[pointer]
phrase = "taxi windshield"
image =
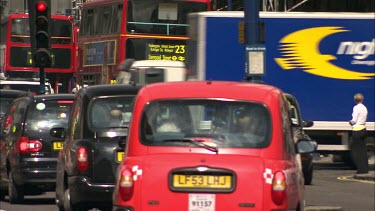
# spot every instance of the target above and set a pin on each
(218, 123)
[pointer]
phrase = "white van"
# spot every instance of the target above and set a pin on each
(150, 71)
(25, 85)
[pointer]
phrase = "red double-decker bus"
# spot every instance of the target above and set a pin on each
(113, 30)
(15, 51)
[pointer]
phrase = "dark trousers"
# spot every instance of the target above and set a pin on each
(358, 151)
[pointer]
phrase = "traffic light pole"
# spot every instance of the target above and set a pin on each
(254, 49)
(42, 89)
(40, 39)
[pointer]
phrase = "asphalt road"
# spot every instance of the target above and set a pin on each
(333, 189)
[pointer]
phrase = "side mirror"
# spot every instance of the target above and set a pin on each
(305, 146)
(307, 123)
(58, 132)
(122, 142)
(294, 122)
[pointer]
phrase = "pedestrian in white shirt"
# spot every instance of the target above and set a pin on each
(358, 144)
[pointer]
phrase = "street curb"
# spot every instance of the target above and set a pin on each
(323, 208)
(368, 177)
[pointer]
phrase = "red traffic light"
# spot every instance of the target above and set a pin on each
(41, 6)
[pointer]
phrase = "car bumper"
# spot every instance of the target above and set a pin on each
(84, 191)
(117, 208)
(35, 172)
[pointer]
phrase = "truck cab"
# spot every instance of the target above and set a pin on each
(150, 71)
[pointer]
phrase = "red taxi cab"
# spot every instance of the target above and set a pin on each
(210, 146)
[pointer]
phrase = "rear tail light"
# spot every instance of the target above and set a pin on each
(82, 160)
(126, 184)
(25, 145)
(278, 188)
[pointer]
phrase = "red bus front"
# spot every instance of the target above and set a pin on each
(138, 29)
(16, 58)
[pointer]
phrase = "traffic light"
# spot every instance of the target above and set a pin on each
(39, 21)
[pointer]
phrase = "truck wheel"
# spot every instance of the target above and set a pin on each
(337, 158)
(347, 158)
(15, 192)
(370, 147)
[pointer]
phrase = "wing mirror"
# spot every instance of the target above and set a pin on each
(307, 123)
(305, 146)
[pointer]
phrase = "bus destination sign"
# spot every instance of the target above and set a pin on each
(173, 52)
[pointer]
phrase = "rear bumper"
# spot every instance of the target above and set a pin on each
(35, 172)
(117, 208)
(84, 191)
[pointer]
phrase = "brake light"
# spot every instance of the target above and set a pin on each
(126, 184)
(82, 161)
(278, 188)
(26, 145)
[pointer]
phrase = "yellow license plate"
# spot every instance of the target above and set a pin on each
(119, 156)
(202, 181)
(58, 145)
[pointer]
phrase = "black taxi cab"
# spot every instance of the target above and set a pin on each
(28, 148)
(94, 146)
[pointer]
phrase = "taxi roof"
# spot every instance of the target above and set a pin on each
(210, 89)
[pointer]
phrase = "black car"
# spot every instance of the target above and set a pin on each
(298, 125)
(28, 150)
(6, 98)
(94, 146)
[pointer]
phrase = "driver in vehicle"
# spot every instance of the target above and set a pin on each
(116, 118)
(251, 124)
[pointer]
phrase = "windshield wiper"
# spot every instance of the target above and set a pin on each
(120, 126)
(198, 143)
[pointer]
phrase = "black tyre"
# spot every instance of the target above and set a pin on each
(337, 158)
(59, 200)
(15, 192)
(68, 206)
(349, 161)
(60, 204)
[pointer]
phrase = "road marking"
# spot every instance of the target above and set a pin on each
(350, 178)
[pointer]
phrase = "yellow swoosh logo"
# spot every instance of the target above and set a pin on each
(301, 50)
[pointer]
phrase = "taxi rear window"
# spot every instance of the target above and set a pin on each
(110, 112)
(49, 114)
(218, 123)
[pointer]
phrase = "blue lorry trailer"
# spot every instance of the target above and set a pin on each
(321, 58)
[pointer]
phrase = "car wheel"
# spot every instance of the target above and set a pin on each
(61, 208)
(68, 206)
(59, 202)
(59, 198)
(15, 192)
(308, 175)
